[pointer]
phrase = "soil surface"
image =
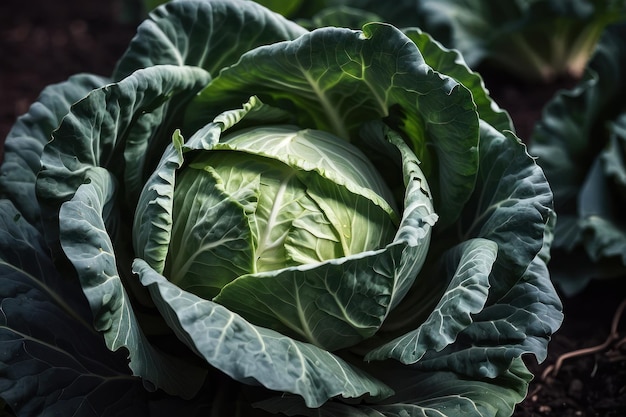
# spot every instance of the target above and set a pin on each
(43, 42)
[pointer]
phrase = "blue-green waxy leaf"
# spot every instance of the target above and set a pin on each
(24, 253)
(600, 199)
(424, 394)
(339, 302)
(253, 354)
(451, 63)
(615, 156)
(88, 246)
(27, 138)
(470, 265)
(337, 79)
(52, 361)
(121, 121)
(510, 306)
(153, 216)
(523, 317)
(512, 194)
(522, 307)
(515, 325)
(207, 34)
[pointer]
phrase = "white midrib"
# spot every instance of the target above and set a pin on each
(331, 112)
(305, 329)
(265, 243)
(183, 269)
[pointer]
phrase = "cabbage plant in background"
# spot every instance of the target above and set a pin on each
(535, 40)
(581, 144)
(250, 218)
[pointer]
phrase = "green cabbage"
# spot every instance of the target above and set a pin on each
(250, 218)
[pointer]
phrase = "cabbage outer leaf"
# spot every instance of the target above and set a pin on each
(425, 395)
(88, 246)
(80, 145)
(28, 136)
(466, 294)
(255, 354)
(129, 114)
(52, 361)
(512, 193)
(206, 34)
(452, 63)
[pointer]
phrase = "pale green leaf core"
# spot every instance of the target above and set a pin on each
(274, 197)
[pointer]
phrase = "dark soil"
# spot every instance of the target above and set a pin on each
(44, 42)
(588, 385)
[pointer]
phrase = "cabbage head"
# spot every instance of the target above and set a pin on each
(250, 218)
